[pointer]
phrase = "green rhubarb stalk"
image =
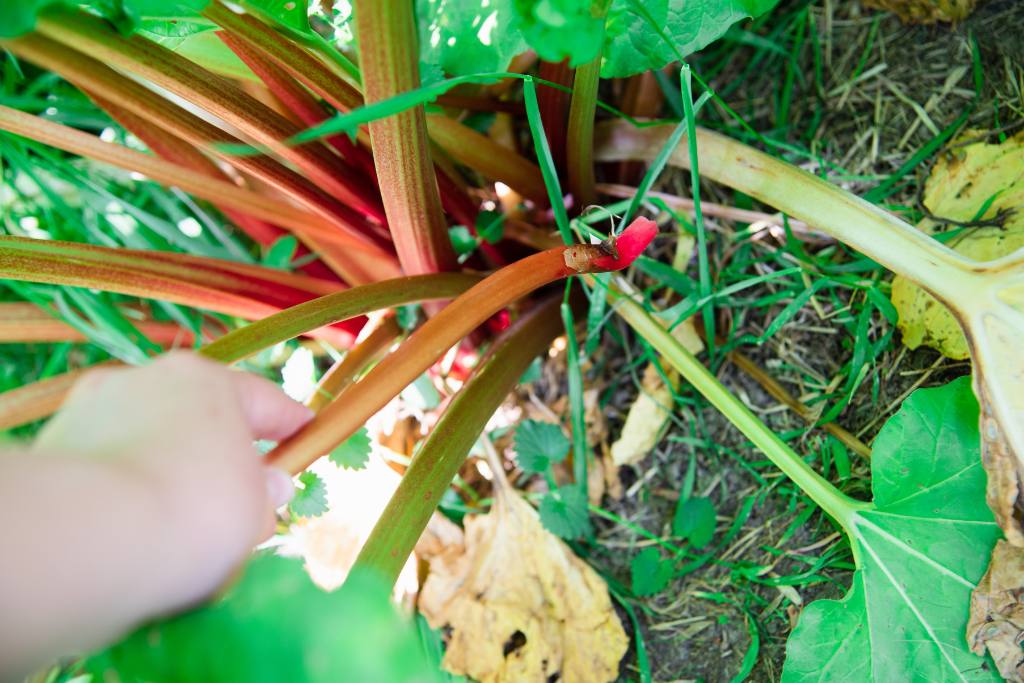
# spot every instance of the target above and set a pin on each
(333, 308)
(343, 373)
(389, 59)
(343, 417)
(838, 505)
(438, 460)
(987, 298)
(580, 138)
(40, 399)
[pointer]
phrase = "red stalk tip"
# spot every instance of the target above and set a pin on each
(628, 245)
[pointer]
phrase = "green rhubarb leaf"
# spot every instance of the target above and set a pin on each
(695, 521)
(468, 36)
(275, 625)
(638, 40)
(564, 512)
(354, 452)
(539, 445)
(649, 573)
(561, 29)
(310, 496)
(920, 548)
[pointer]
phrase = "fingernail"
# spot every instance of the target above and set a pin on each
(280, 488)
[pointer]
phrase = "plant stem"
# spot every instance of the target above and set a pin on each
(86, 265)
(482, 154)
(211, 189)
(298, 100)
(827, 496)
(389, 59)
(580, 139)
(37, 400)
(343, 373)
(180, 152)
(343, 417)
(554, 107)
(27, 323)
(100, 80)
(859, 224)
(436, 463)
(216, 95)
(333, 308)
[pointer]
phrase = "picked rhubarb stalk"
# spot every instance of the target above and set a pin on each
(341, 418)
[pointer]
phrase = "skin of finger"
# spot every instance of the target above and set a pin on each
(181, 420)
(270, 413)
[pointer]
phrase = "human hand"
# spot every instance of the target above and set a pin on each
(185, 426)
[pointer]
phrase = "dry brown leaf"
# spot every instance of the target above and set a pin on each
(925, 11)
(997, 613)
(520, 605)
(653, 405)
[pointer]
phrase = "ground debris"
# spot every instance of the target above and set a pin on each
(997, 612)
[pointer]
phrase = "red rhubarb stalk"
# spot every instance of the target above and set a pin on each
(389, 59)
(213, 93)
(343, 417)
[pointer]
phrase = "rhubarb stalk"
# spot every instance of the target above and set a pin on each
(438, 460)
(343, 417)
(389, 59)
(987, 298)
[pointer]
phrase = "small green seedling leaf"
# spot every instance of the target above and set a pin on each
(490, 225)
(310, 496)
(463, 241)
(276, 625)
(533, 373)
(920, 549)
(281, 252)
(408, 316)
(539, 445)
(354, 452)
(695, 521)
(649, 573)
(564, 512)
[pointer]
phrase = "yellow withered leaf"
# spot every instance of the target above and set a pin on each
(520, 605)
(978, 178)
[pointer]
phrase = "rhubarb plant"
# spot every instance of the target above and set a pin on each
(920, 546)
(368, 183)
(986, 298)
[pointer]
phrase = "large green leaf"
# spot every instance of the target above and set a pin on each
(634, 42)
(469, 36)
(473, 36)
(920, 549)
(274, 626)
